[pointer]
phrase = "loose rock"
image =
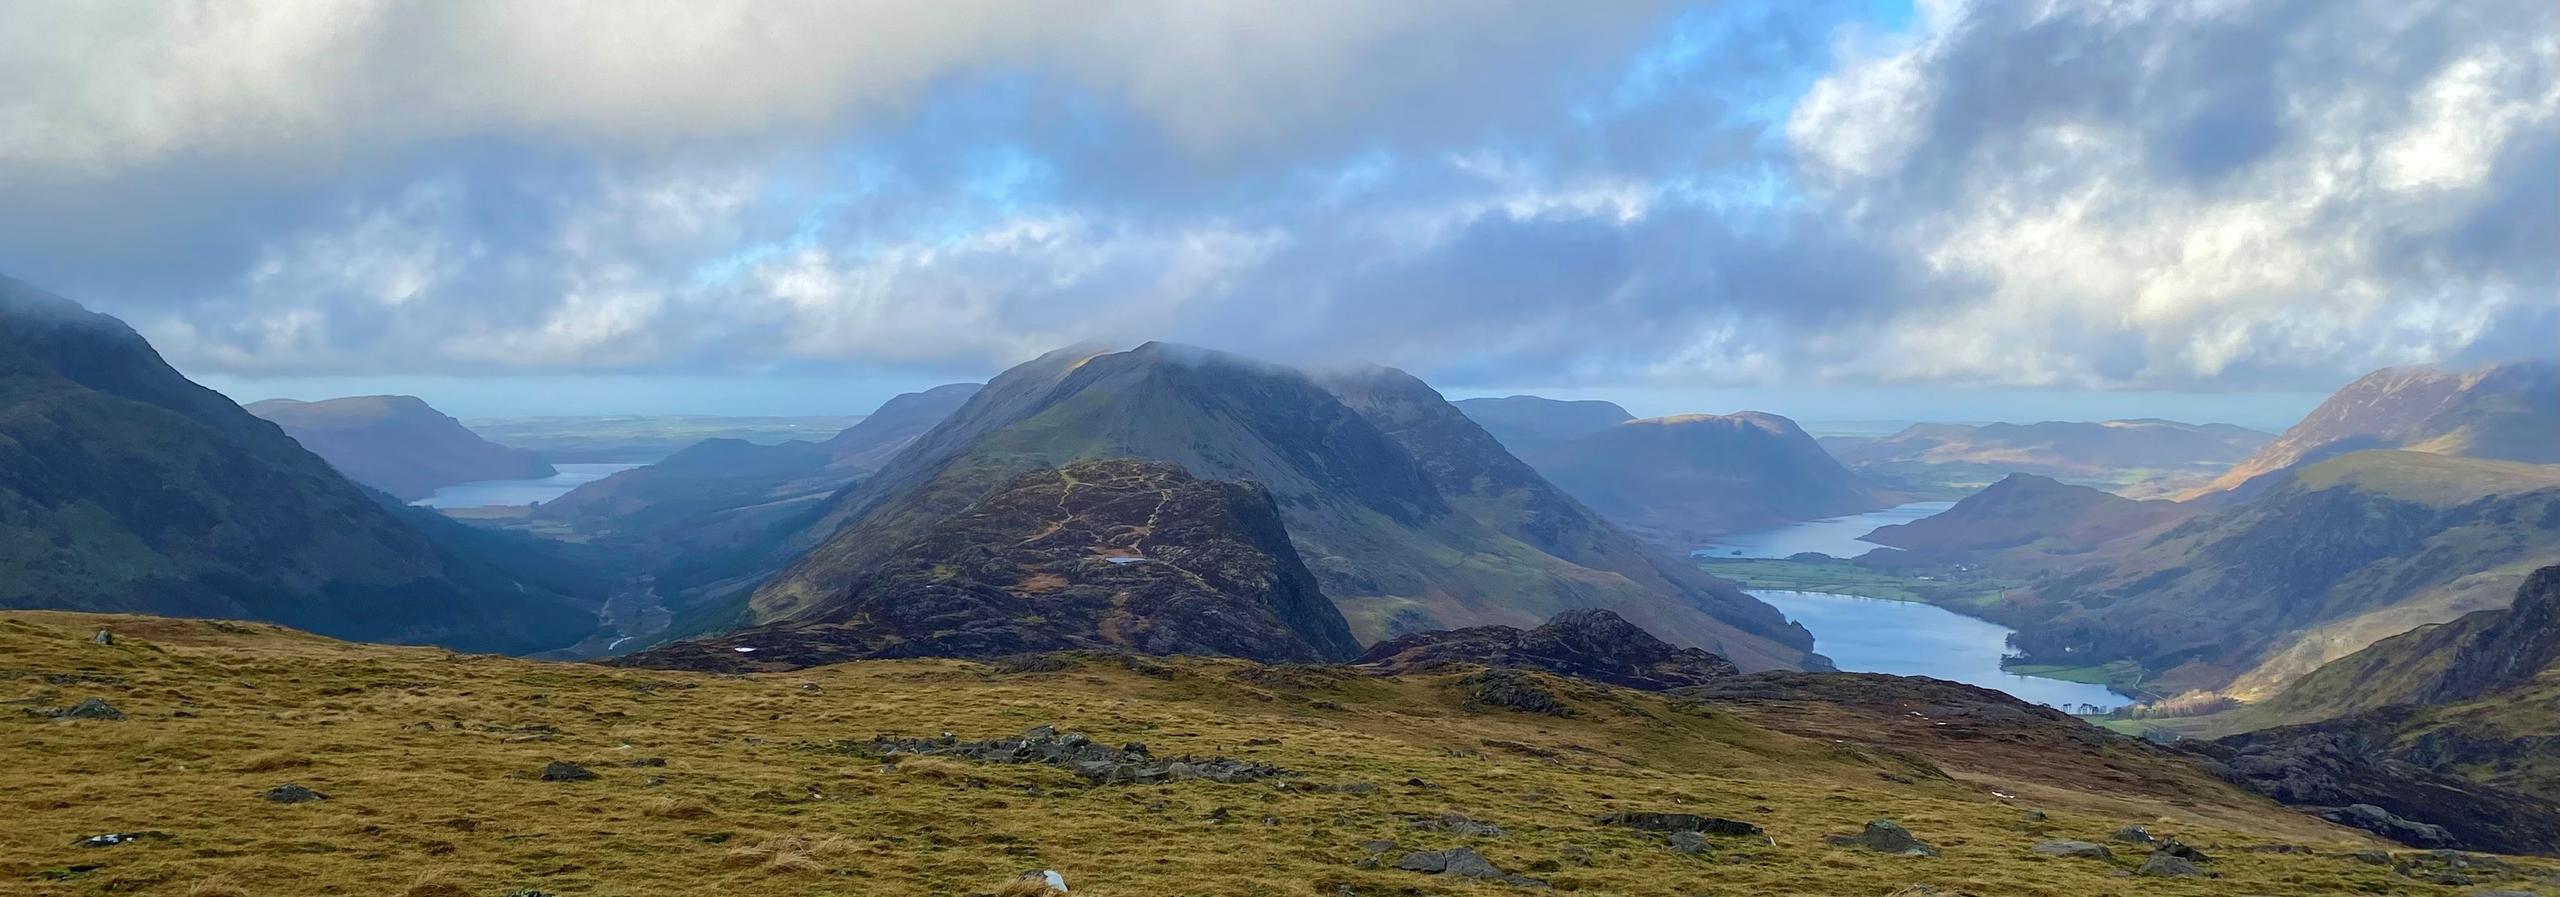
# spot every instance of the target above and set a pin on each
(560, 771)
(2134, 834)
(1884, 836)
(93, 708)
(1462, 863)
(2162, 865)
(1688, 842)
(1100, 764)
(112, 839)
(292, 794)
(2075, 849)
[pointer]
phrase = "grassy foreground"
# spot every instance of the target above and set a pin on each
(736, 784)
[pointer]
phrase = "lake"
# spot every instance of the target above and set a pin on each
(1908, 638)
(520, 492)
(1834, 536)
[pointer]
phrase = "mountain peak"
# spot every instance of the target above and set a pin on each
(1589, 643)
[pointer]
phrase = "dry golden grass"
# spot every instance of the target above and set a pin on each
(716, 785)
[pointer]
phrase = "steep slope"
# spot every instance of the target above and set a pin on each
(2508, 412)
(1586, 644)
(1396, 551)
(397, 444)
(2139, 458)
(2334, 557)
(1527, 425)
(2482, 653)
(2025, 511)
(1682, 480)
(1098, 555)
(125, 487)
(865, 446)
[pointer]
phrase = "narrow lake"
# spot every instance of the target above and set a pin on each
(1908, 638)
(1834, 536)
(520, 492)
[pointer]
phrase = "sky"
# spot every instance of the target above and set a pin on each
(1833, 209)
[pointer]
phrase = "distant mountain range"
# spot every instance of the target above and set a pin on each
(1410, 516)
(1683, 480)
(2508, 412)
(124, 487)
(2025, 511)
(2139, 458)
(398, 444)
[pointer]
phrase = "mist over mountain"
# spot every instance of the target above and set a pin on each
(397, 443)
(1528, 425)
(125, 487)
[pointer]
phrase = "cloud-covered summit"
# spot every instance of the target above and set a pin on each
(2226, 195)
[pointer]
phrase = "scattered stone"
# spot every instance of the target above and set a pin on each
(528, 892)
(2134, 834)
(2450, 867)
(648, 762)
(1514, 690)
(1689, 842)
(2162, 865)
(2082, 850)
(93, 708)
(112, 839)
(1462, 863)
(1459, 824)
(1680, 822)
(2371, 857)
(562, 771)
(1099, 764)
(2283, 849)
(2504, 894)
(2179, 849)
(292, 794)
(105, 638)
(1883, 836)
(1376, 847)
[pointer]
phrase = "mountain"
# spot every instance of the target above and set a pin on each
(1527, 425)
(1682, 480)
(398, 444)
(730, 492)
(1098, 555)
(1588, 644)
(2508, 412)
(1412, 517)
(124, 487)
(2029, 511)
(2326, 560)
(2138, 457)
(2445, 729)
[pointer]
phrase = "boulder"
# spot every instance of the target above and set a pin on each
(560, 771)
(2162, 865)
(1688, 842)
(1884, 836)
(2075, 849)
(93, 708)
(1462, 863)
(292, 794)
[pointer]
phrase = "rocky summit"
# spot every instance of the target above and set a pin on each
(1590, 643)
(1110, 555)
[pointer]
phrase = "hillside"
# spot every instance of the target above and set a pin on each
(1108, 555)
(398, 444)
(430, 773)
(2333, 557)
(1685, 479)
(125, 487)
(2137, 458)
(1527, 425)
(2479, 654)
(1385, 504)
(2508, 412)
(2029, 512)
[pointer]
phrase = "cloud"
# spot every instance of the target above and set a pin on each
(2185, 195)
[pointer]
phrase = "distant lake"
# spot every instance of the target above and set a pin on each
(1834, 536)
(1908, 638)
(520, 492)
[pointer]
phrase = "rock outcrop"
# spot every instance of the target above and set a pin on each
(1590, 644)
(1112, 555)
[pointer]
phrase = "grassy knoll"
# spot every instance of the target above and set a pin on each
(731, 784)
